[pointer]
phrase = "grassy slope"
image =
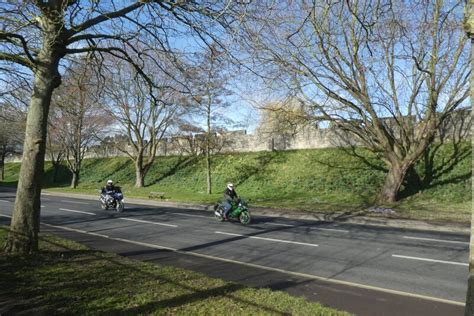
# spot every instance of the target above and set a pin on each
(313, 180)
(67, 278)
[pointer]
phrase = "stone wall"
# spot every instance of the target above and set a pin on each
(456, 127)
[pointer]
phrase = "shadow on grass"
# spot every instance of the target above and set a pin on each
(432, 173)
(182, 163)
(259, 170)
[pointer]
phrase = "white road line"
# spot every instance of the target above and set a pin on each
(432, 260)
(190, 215)
(438, 240)
(147, 222)
(270, 239)
(1, 215)
(315, 228)
(252, 265)
(42, 206)
(74, 211)
(74, 202)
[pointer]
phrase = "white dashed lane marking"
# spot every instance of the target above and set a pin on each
(75, 211)
(438, 240)
(431, 260)
(147, 222)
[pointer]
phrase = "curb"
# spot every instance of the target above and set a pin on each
(356, 218)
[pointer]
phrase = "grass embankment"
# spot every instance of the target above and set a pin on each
(68, 278)
(312, 180)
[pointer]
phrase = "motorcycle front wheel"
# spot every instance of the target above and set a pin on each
(103, 206)
(119, 207)
(218, 215)
(245, 218)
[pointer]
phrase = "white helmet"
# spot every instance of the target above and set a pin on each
(110, 182)
(230, 186)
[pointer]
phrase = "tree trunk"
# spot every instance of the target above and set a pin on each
(2, 168)
(469, 311)
(2, 163)
(24, 228)
(208, 149)
(75, 179)
(393, 182)
(139, 172)
(140, 178)
(208, 167)
(55, 171)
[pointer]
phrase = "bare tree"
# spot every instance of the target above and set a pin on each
(209, 92)
(387, 73)
(78, 118)
(37, 35)
(142, 112)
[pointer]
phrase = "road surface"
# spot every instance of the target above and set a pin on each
(362, 269)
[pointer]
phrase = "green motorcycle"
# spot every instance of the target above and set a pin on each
(238, 211)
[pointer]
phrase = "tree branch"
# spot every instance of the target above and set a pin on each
(10, 36)
(17, 59)
(104, 17)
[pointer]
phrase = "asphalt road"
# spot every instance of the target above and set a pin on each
(358, 268)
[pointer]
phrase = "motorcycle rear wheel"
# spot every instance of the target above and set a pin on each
(245, 218)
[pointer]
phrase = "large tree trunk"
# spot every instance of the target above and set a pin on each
(24, 228)
(393, 182)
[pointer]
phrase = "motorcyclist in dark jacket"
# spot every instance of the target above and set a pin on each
(110, 188)
(229, 196)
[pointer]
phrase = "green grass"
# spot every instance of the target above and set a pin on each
(323, 180)
(68, 278)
